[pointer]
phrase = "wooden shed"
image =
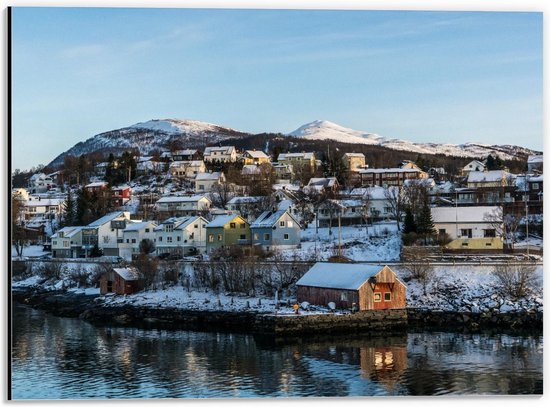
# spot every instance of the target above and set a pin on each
(127, 280)
(369, 287)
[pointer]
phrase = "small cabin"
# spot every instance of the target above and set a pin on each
(369, 287)
(127, 280)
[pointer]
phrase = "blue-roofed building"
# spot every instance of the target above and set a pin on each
(276, 230)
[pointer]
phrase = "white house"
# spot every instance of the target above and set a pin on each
(489, 179)
(205, 181)
(65, 241)
(221, 154)
(181, 235)
(377, 197)
(45, 208)
(474, 165)
(109, 231)
(39, 183)
(187, 169)
(183, 205)
(132, 236)
(465, 221)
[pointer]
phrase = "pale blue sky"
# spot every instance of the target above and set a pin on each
(422, 76)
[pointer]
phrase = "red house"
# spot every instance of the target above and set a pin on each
(369, 287)
(121, 195)
(126, 280)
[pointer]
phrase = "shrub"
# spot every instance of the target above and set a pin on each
(516, 281)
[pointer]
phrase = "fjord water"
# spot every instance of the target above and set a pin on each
(64, 358)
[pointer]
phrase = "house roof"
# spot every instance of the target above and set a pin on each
(185, 152)
(107, 218)
(128, 273)
(138, 225)
(474, 163)
(323, 182)
(172, 199)
(96, 184)
(304, 156)
(179, 223)
(208, 176)
(269, 218)
(250, 169)
(68, 231)
(256, 154)
(487, 176)
(387, 170)
(346, 276)
(221, 220)
(359, 155)
(533, 159)
(245, 199)
(464, 214)
(44, 202)
(224, 149)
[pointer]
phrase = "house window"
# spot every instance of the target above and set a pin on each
(535, 186)
(160, 238)
(127, 240)
(65, 244)
(343, 296)
(196, 226)
(285, 236)
(219, 238)
(168, 239)
(146, 230)
(210, 238)
(290, 224)
(133, 240)
(387, 296)
(266, 236)
(169, 227)
(256, 236)
(489, 233)
(282, 223)
(201, 187)
(243, 226)
(178, 238)
(242, 237)
(377, 297)
(442, 231)
(232, 225)
(466, 233)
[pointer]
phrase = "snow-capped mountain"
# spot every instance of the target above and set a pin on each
(325, 130)
(152, 135)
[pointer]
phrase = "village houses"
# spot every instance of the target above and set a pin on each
(220, 154)
(181, 236)
(276, 230)
(227, 230)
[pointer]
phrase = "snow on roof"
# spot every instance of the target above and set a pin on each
(535, 178)
(44, 202)
(487, 176)
(68, 231)
(533, 159)
(221, 220)
(285, 187)
(179, 223)
(96, 184)
(107, 218)
(324, 182)
(173, 199)
(304, 156)
(387, 170)
(250, 169)
(464, 214)
(185, 152)
(256, 154)
(267, 219)
(128, 273)
(138, 225)
(357, 155)
(474, 163)
(208, 176)
(344, 276)
(222, 149)
(245, 199)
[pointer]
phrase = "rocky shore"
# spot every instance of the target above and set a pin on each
(88, 308)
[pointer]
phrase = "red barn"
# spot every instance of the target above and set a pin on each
(369, 287)
(126, 280)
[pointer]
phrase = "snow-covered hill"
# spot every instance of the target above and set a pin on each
(152, 135)
(325, 130)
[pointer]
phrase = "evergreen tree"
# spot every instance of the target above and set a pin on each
(409, 224)
(69, 212)
(84, 207)
(425, 223)
(490, 163)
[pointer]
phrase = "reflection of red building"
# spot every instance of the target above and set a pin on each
(384, 364)
(121, 195)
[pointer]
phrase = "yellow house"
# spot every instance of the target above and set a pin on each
(255, 157)
(482, 243)
(227, 230)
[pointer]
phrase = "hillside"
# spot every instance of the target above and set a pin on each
(159, 135)
(325, 130)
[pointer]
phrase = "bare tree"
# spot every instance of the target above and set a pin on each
(416, 263)
(221, 194)
(365, 209)
(516, 281)
(505, 226)
(396, 202)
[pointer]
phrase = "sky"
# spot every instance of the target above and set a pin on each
(445, 76)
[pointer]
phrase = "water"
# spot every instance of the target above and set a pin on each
(62, 358)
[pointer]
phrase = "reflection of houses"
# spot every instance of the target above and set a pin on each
(227, 230)
(369, 287)
(181, 235)
(126, 280)
(384, 360)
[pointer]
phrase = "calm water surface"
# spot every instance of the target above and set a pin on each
(57, 358)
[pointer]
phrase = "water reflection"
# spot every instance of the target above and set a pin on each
(67, 358)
